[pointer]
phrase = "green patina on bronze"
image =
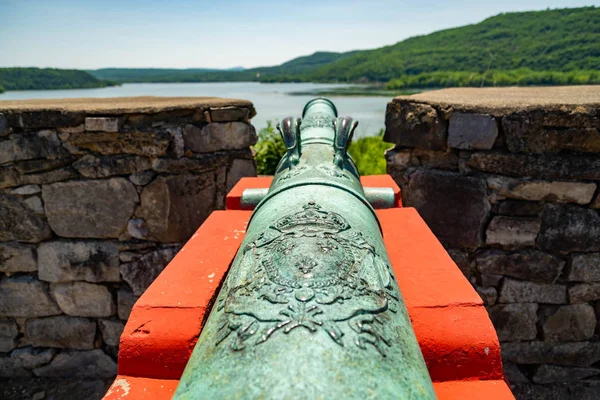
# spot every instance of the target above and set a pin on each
(310, 308)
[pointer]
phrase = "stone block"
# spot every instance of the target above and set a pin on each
(90, 209)
(142, 178)
(554, 373)
(111, 331)
(512, 232)
(430, 159)
(40, 119)
(514, 322)
(515, 291)
(137, 228)
(44, 178)
(61, 332)
(125, 299)
(218, 136)
(102, 124)
(585, 267)
(519, 208)
(552, 131)
(239, 169)
(544, 166)
(8, 335)
(141, 273)
(175, 206)
(91, 166)
(415, 125)
(16, 257)
(79, 364)
(139, 143)
(177, 144)
(491, 280)
(489, 295)
(472, 131)
(25, 296)
(3, 123)
(19, 222)
(570, 323)
(83, 299)
(531, 265)
(398, 159)
(596, 202)
(26, 190)
(581, 354)
(10, 368)
(35, 203)
(181, 165)
(63, 261)
(29, 357)
(551, 191)
(513, 373)
(227, 114)
(569, 228)
(461, 258)
(29, 147)
(584, 292)
(455, 207)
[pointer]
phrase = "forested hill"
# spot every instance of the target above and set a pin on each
(537, 47)
(550, 40)
(47, 78)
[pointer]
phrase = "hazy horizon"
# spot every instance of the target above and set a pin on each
(221, 35)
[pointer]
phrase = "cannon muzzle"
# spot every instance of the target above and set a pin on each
(310, 307)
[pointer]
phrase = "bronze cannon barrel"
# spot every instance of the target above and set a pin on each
(310, 308)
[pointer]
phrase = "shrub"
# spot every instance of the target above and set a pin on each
(367, 152)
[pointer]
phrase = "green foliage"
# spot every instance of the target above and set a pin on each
(368, 154)
(517, 77)
(1, 89)
(269, 149)
(48, 78)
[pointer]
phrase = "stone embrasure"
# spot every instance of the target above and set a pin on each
(73, 174)
(537, 264)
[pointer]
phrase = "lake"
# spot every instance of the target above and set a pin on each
(273, 101)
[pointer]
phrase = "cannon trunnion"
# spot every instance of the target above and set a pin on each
(310, 307)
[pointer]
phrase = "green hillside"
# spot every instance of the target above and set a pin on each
(48, 78)
(550, 40)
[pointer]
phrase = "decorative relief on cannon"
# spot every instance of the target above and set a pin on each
(330, 281)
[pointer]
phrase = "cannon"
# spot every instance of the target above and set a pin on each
(310, 308)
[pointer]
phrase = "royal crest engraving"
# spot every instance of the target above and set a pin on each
(310, 270)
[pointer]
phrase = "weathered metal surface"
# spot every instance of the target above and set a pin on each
(310, 308)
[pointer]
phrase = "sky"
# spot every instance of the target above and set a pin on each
(90, 34)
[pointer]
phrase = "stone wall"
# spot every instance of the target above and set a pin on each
(508, 181)
(96, 197)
